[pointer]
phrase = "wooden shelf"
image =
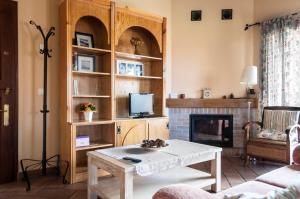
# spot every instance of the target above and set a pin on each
(96, 51)
(137, 77)
(94, 146)
(94, 122)
(137, 57)
(90, 73)
(145, 186)
(91, 96)
(81, 174)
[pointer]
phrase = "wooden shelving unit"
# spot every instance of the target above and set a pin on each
(90, 73)
(87, 50)
(94, 146)
(136, 57)
(91, 96)
(137, 77)
(103, 87)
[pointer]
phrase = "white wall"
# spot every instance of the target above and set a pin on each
(211, 53)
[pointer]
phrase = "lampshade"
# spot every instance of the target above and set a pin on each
(249, 76)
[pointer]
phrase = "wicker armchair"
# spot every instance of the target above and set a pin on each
(275, 137)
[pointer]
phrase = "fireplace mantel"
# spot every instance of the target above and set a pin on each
(211, 103)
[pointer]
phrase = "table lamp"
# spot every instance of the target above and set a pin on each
(249, 77)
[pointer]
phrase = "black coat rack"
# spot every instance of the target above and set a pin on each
(54, 161)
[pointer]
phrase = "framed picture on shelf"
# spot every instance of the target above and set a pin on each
(133, 68)
(86, 63)
(84, 39)
(121, 67)
(139, 69)
(130, 69)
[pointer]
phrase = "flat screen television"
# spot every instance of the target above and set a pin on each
(141, 104)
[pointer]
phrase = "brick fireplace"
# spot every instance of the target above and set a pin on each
(180, 111)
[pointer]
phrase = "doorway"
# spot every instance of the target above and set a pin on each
(8, 91)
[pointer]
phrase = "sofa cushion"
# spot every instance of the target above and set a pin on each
(296, 155)
(250, 186)
(288, 193)
(283, 177)
(182, 191)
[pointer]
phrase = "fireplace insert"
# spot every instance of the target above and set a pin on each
(216, 130)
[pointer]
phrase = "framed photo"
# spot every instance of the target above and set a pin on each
(121, 67)
(86, 63)
(130, 69)
(126, 67)
(139, 69)
(84, 39)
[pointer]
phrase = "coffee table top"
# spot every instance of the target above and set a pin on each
(179, 153)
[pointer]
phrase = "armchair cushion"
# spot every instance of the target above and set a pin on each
(272, 134)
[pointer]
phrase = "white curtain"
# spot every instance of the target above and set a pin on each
(281, 61)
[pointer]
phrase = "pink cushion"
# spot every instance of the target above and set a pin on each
(250, 187)
(183, 192)
(296, 155)
(283, 177)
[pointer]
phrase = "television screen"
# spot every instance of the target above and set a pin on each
(141, 104)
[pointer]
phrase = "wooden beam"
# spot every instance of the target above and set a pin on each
(211, 103)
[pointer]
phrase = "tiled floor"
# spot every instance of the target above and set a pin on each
(51, 187)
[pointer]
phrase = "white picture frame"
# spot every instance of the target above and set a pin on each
(86, 63)
(121, 67)
(132, 68)
(84, 39)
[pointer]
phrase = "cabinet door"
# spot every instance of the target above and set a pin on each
(158, 128)
(131, 132)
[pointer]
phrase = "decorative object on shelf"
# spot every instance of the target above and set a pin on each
(121, 67)
(224, 97)
(130, 69)
(231, 96)
(88, 109)
(182, 96)
(86, 63)
(75, 63)
(126, 67)
(173, 95)
(196, 15)
(53, 161)
(75, 87)
(136, 42)
(249, 77)
(84, 39)
(139, 69)
(227, 14)
(82, 141)
(206, 93)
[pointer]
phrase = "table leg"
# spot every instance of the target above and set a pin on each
(215, 169)
(92, 178)
(126, 188)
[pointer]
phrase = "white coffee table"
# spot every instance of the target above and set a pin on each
(157, 169)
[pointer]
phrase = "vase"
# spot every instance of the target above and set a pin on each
(88, 116)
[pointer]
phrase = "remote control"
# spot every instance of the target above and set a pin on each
(132, 159)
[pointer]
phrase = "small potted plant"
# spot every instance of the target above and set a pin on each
(88, 109)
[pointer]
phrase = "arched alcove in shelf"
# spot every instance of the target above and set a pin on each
(149, 46)
(93, 25)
